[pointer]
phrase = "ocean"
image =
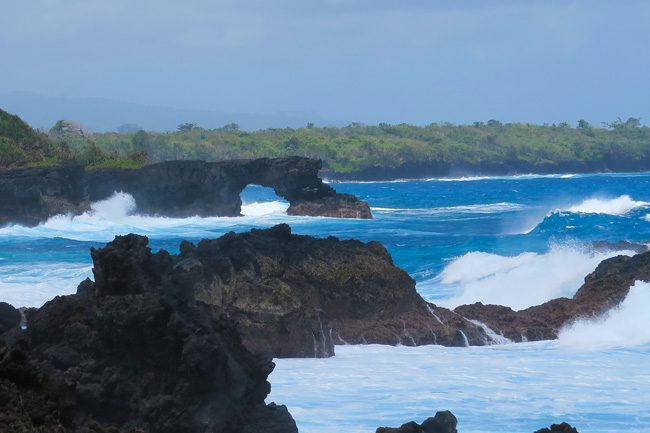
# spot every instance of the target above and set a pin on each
(517, 241)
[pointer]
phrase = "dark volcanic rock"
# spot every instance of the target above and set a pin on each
(291, 296)
(605, 288)
(9, 317)
(133, 357)
(175, 189)
(188, 188)
(31, 195)
(558, 428)
(443, 422)
(338, 206)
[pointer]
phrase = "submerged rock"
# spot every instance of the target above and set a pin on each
(604, 289)
(290, 295)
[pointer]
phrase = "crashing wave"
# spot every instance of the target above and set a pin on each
(515, 281)
(116, 215)
(614, 206)
(628, 325)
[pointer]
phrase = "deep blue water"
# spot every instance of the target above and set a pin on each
(512, 240)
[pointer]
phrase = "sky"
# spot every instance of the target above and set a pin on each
(368, 61)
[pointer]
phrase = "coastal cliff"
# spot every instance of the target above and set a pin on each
(174, 189)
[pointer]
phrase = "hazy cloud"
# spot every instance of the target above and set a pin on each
(364, 60)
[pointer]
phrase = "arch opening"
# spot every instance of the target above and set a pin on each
(261, 200)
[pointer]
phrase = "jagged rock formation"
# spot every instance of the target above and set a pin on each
(30, 196)
(558, 428)
(291, 296)
(605, 288)
(9, 317)
(174, 188)
(445, 422)
(442, 422)
(130, 355)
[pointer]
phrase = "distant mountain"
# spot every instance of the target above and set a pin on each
(102, 115)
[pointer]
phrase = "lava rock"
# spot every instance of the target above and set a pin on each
(290, 295)
(442, 422)
(9, 317)
(181, 189)
(603, 289)
(558, 428)
(133, 356)
(189, 188)
(29, 196)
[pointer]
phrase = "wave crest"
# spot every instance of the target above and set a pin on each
(615, 206)
(515, 281)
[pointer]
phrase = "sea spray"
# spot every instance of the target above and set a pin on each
(626, 325)
(519, 281)
(613, 206)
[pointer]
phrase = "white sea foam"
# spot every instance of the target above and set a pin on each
(512, 177)
(486, 208)
(264, 208)
(611, 206)
(34, 283)
(116, 215)
(518, 282)
(625, 326)
(529, 386)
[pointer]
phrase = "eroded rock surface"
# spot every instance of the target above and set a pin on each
(175, 189)
(291, 296)
(32, 195)
(189, 188)
(130, 354)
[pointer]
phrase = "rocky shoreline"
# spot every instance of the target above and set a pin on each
(183, 343)
(174, 189)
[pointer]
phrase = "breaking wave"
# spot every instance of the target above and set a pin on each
(117, 215)
(614, 206)
(628, 325)
(518, 281)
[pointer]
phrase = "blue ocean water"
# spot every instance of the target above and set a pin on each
(516, 241)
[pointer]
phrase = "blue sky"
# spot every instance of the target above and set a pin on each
(357, 60)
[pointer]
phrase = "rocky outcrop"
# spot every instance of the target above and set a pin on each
(442, 422)
(189, 188)
(31, 195)
(291, 296)
(604, 289)
(175, 189)
(130, 354)
(9, 317)
(558, 428)
(445, 422)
